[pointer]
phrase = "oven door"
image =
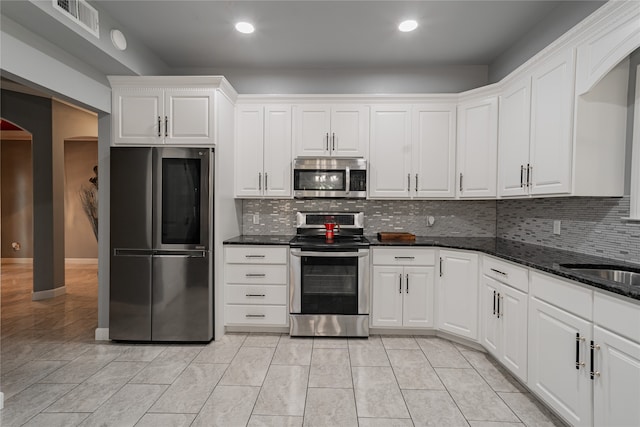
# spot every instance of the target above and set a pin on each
(329, 282)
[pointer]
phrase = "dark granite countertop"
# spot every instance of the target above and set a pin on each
(539, 257)
(265, 239)
(535, 256)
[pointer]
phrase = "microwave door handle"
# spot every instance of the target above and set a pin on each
(347, 175)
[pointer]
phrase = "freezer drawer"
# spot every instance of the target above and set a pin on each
(182, 300)
(130, 300)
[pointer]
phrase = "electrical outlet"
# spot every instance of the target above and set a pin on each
(556, 226)
(430, 221)
(256, 218)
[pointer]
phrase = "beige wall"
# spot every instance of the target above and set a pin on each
(17, 198)
(70, 126)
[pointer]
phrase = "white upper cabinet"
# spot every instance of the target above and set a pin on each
(326, 130)
(263, 151)
(477, 148)
(151, 116)
(433, 151)
(551, 124)
(390, 151)
(514, 127)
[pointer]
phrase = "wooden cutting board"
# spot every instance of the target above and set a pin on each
(386, 236)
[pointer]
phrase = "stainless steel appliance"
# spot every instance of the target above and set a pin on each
(329, 279)
(330, 177)
(161, 233)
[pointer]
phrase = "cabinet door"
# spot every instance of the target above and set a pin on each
(513, 319)
(458, 294)
(489, 293)
(556, 373)
(189, 116)
(277, 151)
(386, 307)
(138, 116)
(478, 148)
(249, 150)
(390, 151)
(349, 130)
(551, 124)
(513, 147)
(616, 389)
(433, 151)
(418, 304)
(311, 130)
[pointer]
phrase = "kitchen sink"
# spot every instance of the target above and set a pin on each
(625, 275)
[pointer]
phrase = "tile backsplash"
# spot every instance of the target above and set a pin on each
(589, 225)
(452, 217)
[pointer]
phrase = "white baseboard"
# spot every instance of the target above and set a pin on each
(81, 260)
(102, 334)
(17, 261)
(49, 293)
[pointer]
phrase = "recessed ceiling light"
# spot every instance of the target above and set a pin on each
(408, 25)
(245, 27)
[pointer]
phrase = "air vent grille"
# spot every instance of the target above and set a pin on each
(81, 13)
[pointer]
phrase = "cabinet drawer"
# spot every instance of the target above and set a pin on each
(272, 315)
(505, 272)
(256, 294)
(562, 293)
(255, 274)
(617, 315)
(403, 256)
(256, 255)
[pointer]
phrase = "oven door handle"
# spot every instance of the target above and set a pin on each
(329, 254)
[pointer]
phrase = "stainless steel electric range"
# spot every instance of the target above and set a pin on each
(329, 278)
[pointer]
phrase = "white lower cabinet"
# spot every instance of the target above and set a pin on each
(504, 325)
(458, 293)
(403, 290)
(559, 341)
(255, 286)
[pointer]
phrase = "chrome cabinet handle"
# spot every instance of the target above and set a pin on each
(327, 141)
(499, 297)
(159, 127)
(578, 340)
(494, 303)
(255, 275)
(593, 373)
(499, 272)
(407, 279)
(254, 256)
(461, 182)
(405, 257)
(528, 175)
(416, 183)
(255, 295)
(254, 315)
(408, 182)
(265, 182)
(259, 181)
(333, 141)
(399, 283)
(166, 126)
(521, 176)
(441, 270)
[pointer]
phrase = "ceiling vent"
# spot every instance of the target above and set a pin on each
(81, 13)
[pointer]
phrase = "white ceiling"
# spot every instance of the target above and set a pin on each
(332, 34)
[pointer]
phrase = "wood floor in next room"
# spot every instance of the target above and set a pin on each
(55, 374)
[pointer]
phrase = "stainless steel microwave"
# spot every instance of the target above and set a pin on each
(330, 177)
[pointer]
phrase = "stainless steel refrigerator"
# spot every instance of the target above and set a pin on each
(161, 281)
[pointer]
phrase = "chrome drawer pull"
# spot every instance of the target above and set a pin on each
(499, 272)
(254, 256)
(255, 295)
(254, 315)
(255, 275)
(405, 257)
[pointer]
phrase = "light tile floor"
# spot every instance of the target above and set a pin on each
(54, 374)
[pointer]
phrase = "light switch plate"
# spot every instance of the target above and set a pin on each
(556, 226)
